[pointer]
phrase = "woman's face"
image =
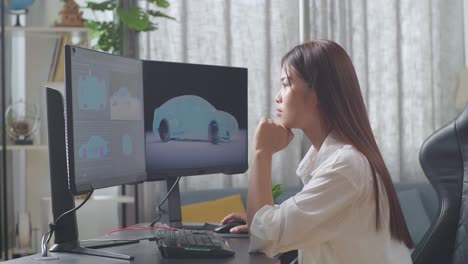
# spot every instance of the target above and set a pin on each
(296, 103)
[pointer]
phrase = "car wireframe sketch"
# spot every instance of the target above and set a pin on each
(123, 106)
(190, 117)
(95, 148)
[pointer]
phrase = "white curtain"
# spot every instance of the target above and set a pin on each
(407, 54)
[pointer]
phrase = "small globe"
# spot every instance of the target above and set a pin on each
(17, 5)
(22, 122)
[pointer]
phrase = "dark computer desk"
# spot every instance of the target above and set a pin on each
(146, 252)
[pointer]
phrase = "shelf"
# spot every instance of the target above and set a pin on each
(47, 29)
(103, 198)
(26, 147)
(114, 198)
(55, 84)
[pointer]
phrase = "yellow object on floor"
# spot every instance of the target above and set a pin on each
(212, 211)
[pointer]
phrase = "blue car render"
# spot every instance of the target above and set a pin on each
(190, 117)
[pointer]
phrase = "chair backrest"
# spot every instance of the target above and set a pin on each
(444, 160)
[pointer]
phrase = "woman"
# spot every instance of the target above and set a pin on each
(347, 211)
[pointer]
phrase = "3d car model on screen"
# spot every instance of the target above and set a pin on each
(95, 148)
(191, 117)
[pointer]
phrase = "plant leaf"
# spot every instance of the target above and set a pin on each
(103, 6)
(158, 14)
(109, 34)
(134, 18)
(93, 26)
(160, 3)
(276, 190)
(276, 187)
(109, 37)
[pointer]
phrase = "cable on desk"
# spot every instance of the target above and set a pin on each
(46, 237)
(141, 228)
(159, 209)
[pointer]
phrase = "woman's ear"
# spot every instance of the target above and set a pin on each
(311, 98)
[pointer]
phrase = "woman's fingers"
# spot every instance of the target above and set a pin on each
(233, 217)
(227, 218)
(240, 216)
(242, 229)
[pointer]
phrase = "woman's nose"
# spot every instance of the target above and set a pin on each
(278, 97)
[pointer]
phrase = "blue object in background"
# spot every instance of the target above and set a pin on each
(191, 117)
(17, 5)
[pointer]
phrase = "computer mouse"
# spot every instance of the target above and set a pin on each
(225, 229)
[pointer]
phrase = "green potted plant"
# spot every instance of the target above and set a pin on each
(110, 34)
(276, 190)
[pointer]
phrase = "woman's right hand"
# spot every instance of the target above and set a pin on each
(242, 229)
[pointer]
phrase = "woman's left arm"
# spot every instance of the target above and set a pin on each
(259, 192)
(269, 139)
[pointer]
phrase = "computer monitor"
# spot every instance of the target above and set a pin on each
(104, 120)
(195, 119)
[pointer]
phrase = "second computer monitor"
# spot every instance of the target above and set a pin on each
(104, 122)
(195, 119)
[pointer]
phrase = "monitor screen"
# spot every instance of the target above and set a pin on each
(195, 119)
(104, 120)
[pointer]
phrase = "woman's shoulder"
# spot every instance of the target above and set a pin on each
(351, 163)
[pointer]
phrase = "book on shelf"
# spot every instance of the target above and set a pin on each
(57, 67)
(53, 63)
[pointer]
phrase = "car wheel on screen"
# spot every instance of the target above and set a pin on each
(227, 138)
(213, 132)
(164, 131)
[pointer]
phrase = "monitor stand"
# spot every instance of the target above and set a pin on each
(173, 215)
(66, 230)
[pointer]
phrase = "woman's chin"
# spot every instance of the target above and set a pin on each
(285, 123)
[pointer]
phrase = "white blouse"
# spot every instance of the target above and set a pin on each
(332, 220)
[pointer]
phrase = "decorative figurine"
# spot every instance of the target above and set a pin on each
(70, 15)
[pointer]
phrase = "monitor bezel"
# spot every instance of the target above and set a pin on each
(161, 176)
(228, 170)
(81, 188)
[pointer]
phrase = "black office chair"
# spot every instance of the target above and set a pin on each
(444, 160)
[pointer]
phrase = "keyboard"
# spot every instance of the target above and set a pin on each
(185, 243)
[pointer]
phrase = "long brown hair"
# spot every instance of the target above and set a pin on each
(326, 67)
